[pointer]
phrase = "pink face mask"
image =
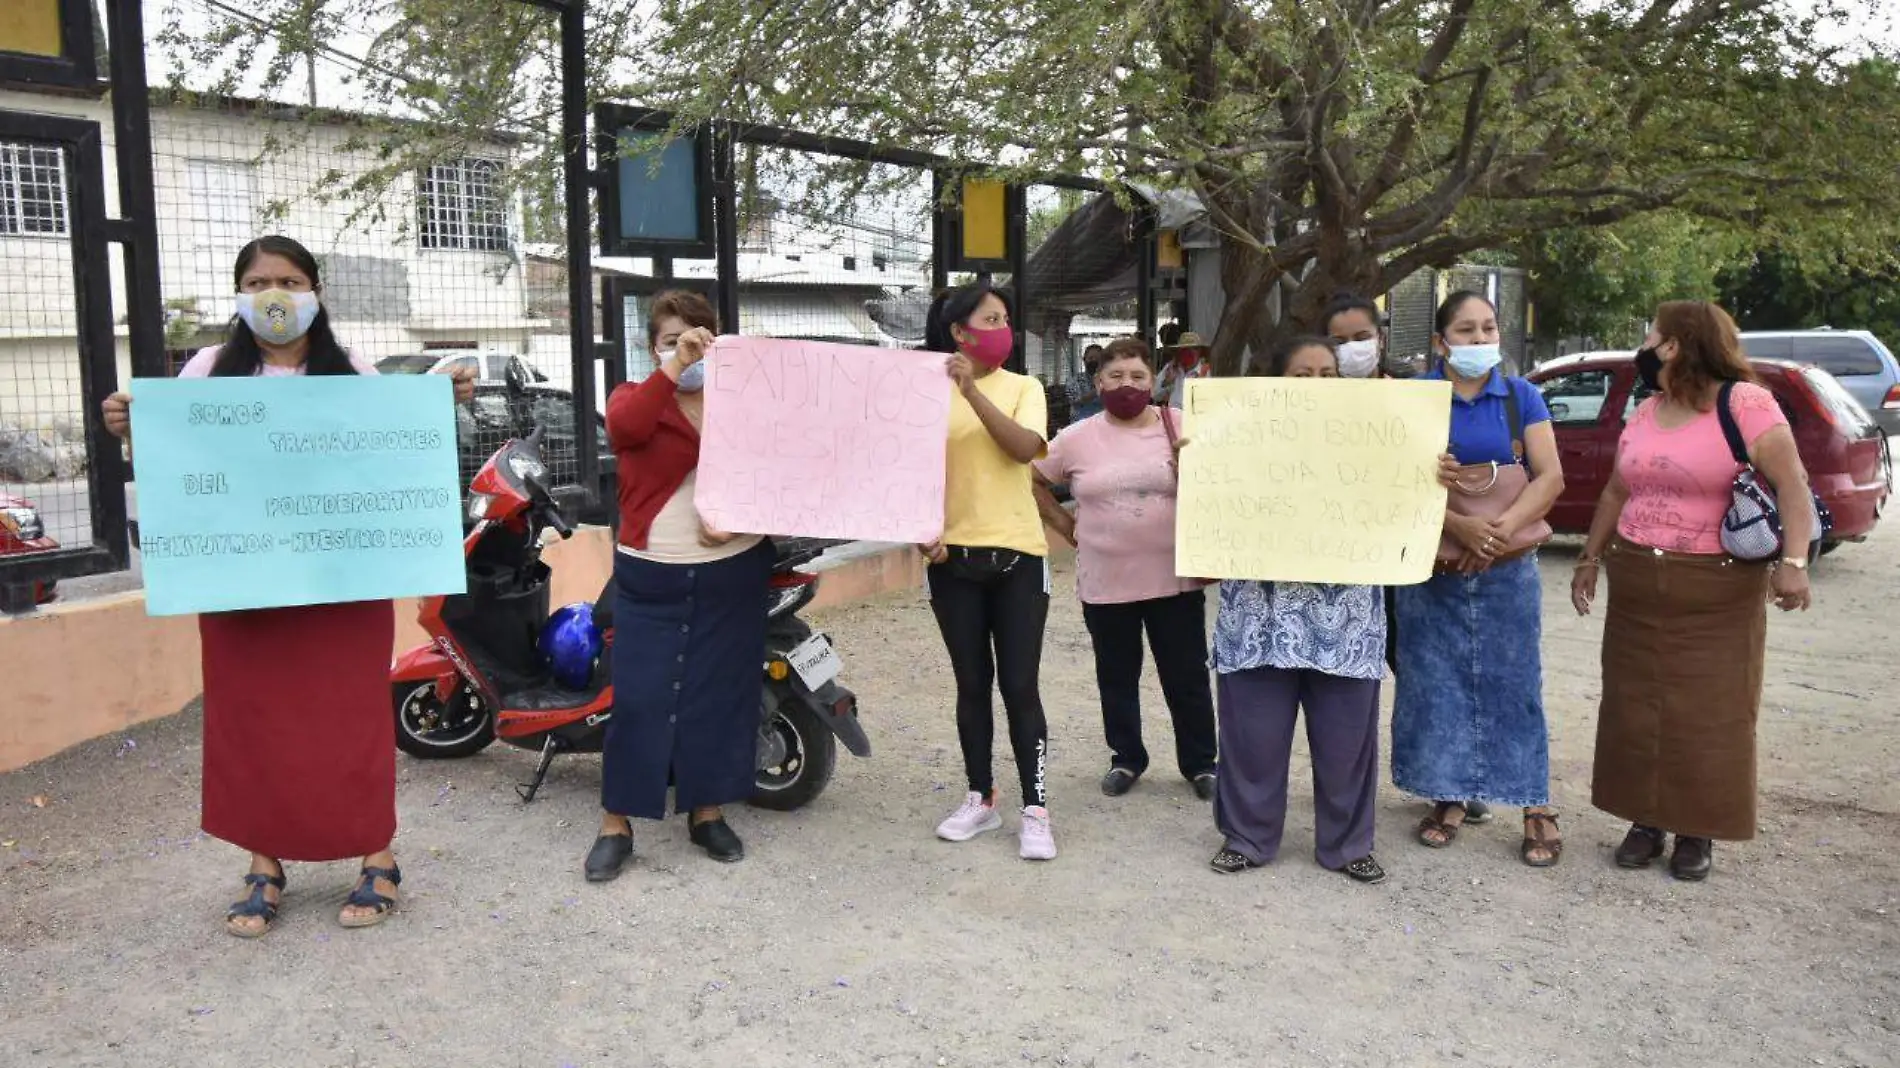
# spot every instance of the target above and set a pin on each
(991, 348)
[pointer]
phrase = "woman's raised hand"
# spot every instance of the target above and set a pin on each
(693, 346)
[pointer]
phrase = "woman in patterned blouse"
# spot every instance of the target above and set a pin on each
(1281, 645)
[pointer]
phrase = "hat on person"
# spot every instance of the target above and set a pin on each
(1189, 340)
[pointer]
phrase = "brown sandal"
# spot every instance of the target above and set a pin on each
(1533, 841)
(1436, 823)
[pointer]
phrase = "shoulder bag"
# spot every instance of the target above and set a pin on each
(1487, 491)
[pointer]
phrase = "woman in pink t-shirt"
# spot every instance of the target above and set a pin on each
(1684, 633)
(1119, 466)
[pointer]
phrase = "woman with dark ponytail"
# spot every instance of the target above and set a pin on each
(307, 771)
(989, 571)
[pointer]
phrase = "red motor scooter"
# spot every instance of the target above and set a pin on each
(481, 676)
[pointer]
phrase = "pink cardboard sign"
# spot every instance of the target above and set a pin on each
(816, 440)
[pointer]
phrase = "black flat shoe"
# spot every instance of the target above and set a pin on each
(1640, 847)
(719, 841)
(1228, 862)
(1204, 784)
(610, 852)
(1365, 870)
(1693, 859)
(1118, 781)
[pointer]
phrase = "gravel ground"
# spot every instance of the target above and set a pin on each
(850, 936)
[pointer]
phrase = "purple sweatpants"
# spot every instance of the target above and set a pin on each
(1257, 709)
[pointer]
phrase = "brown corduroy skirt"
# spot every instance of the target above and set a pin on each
(1682, 668)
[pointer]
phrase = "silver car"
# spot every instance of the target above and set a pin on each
(1857, 359)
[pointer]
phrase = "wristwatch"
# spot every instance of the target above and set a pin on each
(1797, 564)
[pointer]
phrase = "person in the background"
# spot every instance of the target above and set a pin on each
(1281, 646)
(1353, 322)
(689, 621)
(1468, 720)
(1120, 468)
(306, 771)
(989, 572)
(1084, 396)
(1684, 637)
(1358, 332)
(1187, 360)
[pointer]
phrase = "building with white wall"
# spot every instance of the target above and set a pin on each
(433, 263)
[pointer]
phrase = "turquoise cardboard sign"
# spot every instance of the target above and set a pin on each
(272, 492)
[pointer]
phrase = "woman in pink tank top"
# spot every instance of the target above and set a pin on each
(1686, 624)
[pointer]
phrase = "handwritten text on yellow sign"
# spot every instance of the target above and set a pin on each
(1312, 479)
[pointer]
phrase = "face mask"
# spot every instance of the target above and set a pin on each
(1358, 359)
(990, 348)
(693, 379)
(1649, 368)
(1126, 402)
(277, 316)
(1188, 359)
(1473, 361)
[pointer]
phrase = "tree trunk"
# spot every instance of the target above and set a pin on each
(1263, 307)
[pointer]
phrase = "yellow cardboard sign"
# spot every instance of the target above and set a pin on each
(1312, 480)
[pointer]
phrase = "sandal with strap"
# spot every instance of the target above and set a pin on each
(366, 897)
(256, 905)
(1553, 847)
(1435, 823)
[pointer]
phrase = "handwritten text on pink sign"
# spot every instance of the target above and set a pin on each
(819, 440)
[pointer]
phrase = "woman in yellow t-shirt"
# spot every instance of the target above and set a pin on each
(989, 572)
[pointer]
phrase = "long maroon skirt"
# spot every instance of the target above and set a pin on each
(300, 742)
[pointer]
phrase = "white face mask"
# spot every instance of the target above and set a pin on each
(1358, 359)
(1474, 361)
(278, 316)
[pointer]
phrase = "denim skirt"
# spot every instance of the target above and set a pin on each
(1468, 720)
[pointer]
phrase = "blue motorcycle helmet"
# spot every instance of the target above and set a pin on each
(570, 643)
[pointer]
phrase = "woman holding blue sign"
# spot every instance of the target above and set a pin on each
(307, 771)
(1468, 720)
(689, 630)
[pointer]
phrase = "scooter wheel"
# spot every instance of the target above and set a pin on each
(430, 728)
(810, 752)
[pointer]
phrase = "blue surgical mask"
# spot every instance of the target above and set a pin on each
(1474, 361)
(693, 379)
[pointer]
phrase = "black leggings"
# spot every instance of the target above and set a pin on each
(982, 605)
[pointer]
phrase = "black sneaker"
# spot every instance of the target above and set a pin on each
(1477, 813)
(1118, 781)
(717, 838)
(609, 854)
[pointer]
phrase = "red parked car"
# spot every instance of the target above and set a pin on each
(22, 531)
(1846, 454)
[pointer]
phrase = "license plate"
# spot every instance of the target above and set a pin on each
(815, 661)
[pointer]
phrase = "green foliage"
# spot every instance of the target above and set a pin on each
(1775, 290)
(1596, 283)
(1336, 143)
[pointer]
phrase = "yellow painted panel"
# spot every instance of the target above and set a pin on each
(985, 221)
(30, 27)
(1168, 255)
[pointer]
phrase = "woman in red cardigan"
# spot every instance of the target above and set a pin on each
(689, 617)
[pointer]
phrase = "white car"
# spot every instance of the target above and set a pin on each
(489, 365)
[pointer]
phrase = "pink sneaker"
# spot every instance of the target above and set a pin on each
(1039, 842)
(977, 815)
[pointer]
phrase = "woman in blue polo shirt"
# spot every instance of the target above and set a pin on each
(1468, 720)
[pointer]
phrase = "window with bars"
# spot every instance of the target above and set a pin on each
(32, 189)
(462, 206)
